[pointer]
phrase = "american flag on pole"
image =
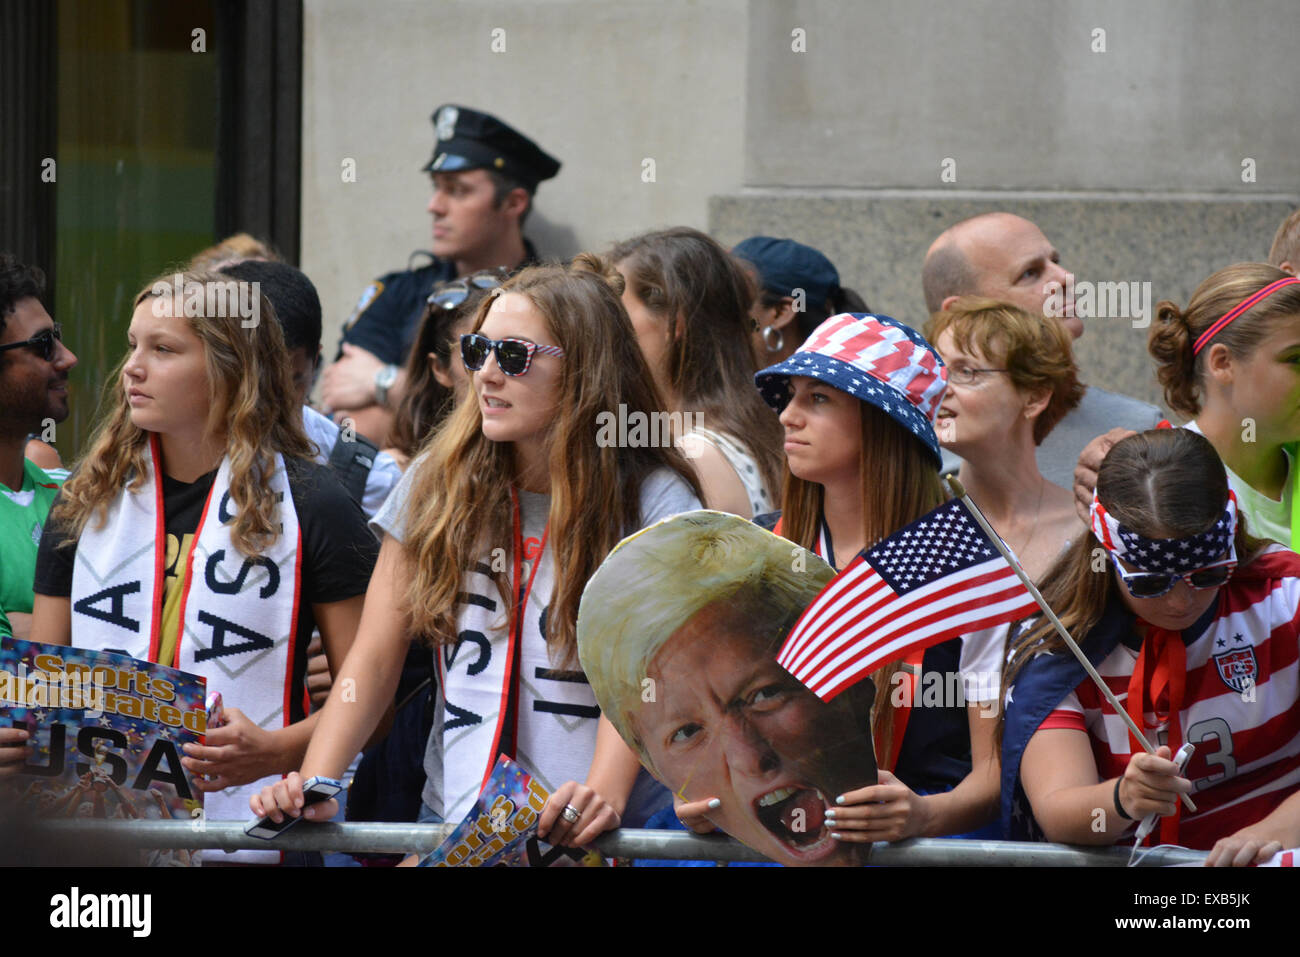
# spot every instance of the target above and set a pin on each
(932, 580)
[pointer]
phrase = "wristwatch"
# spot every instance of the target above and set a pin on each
(384, 380)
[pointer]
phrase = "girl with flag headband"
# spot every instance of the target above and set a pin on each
(197, 533)
(1173, 602)
(489, 540)
(858, 401)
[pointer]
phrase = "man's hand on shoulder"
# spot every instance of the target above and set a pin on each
(1085, 471)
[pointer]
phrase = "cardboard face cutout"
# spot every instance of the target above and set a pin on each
(678, 633)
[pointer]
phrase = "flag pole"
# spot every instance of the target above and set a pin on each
(960, 492)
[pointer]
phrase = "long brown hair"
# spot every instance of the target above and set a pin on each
(1174, 332)
(899, 485)
(1165, 483)
(705, 295)
(426, 401)
(460, 505)
(251, 404)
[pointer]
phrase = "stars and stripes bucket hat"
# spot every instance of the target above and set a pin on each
(873, 358)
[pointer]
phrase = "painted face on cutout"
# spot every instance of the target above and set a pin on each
(729, 722)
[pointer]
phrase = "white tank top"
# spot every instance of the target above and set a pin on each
(740, 459)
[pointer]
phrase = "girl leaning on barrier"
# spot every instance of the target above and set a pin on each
(198, 533)
(489, 540)
(858, 402)
(1173, 601)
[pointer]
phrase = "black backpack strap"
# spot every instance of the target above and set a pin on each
(351, 462)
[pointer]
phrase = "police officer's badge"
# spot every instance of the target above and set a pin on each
(370, 294)
(445, 125)
(1238, 668)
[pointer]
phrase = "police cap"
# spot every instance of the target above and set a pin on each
(469, 139)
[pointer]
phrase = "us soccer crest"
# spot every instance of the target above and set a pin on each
(1238, 668)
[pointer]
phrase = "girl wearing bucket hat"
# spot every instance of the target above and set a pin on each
(858, 401)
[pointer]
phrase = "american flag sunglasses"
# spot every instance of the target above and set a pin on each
(514, 356)
(1155, 584)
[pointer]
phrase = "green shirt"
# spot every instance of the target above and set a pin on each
(22, 516)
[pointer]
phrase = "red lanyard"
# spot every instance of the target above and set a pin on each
(520, 592)
(1159, 678)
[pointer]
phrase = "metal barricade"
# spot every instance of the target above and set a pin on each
(622, 843)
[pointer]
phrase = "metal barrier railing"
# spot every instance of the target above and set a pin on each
(624, 843)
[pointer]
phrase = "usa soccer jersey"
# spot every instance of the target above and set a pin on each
(1238, 702)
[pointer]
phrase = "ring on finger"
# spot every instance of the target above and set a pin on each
(571, 814)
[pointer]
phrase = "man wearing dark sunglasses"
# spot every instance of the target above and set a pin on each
(484, 176)
(34, 366)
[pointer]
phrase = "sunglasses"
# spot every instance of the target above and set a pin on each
(43, 342)
(1155, 584)
(451, 294)
(514, 356)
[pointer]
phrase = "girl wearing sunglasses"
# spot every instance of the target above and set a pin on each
(248, 544)
(490, 539)
(1197, 621)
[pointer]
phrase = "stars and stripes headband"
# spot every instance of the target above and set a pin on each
(1164, 556)
(1204, 338)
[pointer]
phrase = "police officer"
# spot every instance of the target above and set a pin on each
(484, 176)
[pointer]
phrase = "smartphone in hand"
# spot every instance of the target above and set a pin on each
(314, 791)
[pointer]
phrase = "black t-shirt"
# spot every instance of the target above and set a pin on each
(338, 550)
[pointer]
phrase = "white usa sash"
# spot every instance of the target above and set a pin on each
(552, 729)
(238, 616)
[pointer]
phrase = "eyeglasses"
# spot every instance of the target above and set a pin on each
(1155, 584)
(514, 356)
(451, 294)
(42, 342)
(966, 376)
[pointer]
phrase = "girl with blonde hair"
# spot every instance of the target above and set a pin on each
(198, 533)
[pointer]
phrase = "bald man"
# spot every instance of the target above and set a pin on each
(1005, 257)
